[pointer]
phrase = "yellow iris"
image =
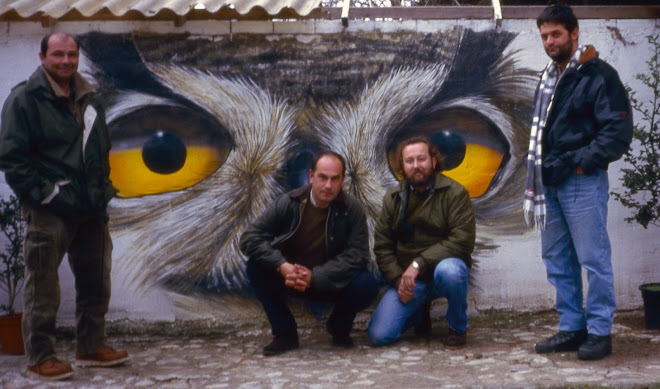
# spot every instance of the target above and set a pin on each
(133, 178)
(477, 169)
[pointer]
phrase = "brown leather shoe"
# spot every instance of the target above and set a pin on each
(282, 343)
(104, 357)
(51, 370)
(454, 339)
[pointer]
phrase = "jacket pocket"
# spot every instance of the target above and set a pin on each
(67, 202)
(557, 170)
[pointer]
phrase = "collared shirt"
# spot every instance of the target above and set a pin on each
(311, 198)
(80, 88)
(415, 199)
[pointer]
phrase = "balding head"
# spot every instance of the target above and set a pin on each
(59, 57)
(59, 36)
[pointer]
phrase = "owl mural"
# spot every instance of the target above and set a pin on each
(207, 131)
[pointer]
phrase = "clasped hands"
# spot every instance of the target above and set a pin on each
(406, 284)
(297, 277)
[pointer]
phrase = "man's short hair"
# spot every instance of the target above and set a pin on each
(45, 39)
(324, 153)
(433, 152)
(558, 13)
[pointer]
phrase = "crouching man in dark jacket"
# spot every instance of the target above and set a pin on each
(312, 243)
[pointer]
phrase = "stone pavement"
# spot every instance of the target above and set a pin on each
(500, 353)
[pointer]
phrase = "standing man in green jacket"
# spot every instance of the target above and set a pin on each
(54, 148)
(311, 243)
(423, 244)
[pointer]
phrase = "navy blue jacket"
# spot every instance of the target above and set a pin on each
(590, 123)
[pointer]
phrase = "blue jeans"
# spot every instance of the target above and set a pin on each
(269, 288)
(575, 236)
(392, 317)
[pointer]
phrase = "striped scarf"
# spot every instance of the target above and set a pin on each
(534, 200)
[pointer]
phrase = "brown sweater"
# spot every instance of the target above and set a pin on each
(307, 245)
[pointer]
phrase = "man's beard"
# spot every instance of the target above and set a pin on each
(422, 181)
(563, 54)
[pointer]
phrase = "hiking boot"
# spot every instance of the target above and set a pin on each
(454, 339)
(595, 347)
(104, 357)
(562, 341)
(424, 326)
(282, 343)
(51, 370)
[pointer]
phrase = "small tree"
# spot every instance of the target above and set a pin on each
(12, 266)
(642, 179)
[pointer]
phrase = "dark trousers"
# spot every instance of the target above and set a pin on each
(272, 293)
(48, 237)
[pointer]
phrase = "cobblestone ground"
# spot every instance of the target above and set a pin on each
(500, 353)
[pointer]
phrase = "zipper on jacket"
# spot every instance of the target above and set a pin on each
(290, 234)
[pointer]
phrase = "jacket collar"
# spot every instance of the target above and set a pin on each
(586, 60)
(589, 53)
(302, 194)
(39, 81)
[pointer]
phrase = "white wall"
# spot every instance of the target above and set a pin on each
(511, 277)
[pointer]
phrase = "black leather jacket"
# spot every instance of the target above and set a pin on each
(347, 238)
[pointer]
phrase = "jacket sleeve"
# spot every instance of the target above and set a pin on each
(20, 173)
(385, 244)
(613, 117)
(257, 240)
(337, 272)
(462, 232)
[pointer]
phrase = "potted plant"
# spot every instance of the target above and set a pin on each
(641, 179)
(12, 270)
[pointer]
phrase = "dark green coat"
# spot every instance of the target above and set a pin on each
(41, 143)
(444, 228)
(347, 238)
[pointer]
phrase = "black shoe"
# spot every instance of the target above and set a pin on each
(595, 347)
(339, 340)
(424, 326)
(454, 339)
(344, 341)
(562, 341)
(282, 343)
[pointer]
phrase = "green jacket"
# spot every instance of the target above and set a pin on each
(443, 228)
(347, 239)
(41, 143)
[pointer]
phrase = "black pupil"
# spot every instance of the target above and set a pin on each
(164, 153)
(451, 145)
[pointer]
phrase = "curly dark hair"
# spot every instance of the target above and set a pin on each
(433, 152)
(558, 13)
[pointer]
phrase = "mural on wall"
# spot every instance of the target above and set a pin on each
(206, 131)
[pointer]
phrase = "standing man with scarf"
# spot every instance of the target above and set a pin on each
(582, 122)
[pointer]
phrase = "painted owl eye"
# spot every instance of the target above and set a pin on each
(160, 149)
(474, 148)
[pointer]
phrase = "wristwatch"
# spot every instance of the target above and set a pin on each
(415, 265)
